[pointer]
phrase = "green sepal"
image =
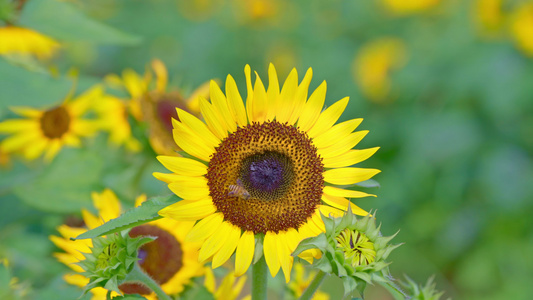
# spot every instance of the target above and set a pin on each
(258, 250)
(361, 289)
(324, 265)
(329, 224)
(145, 213)
(349, 285)
(318, 242)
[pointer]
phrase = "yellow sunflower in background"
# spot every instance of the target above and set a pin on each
(521, 26)
(19, 40)
(157, 107)
(373, 64)
(169, 260)
(47, 131)
(301, 281)
(405, 7)
(268, 168)
(229, 289)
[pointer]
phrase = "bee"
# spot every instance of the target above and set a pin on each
(238, 190)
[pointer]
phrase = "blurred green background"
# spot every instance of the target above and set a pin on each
(445, 88)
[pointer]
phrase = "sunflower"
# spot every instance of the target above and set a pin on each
(47, 131)
(169, 260)
(19, 40)
(157, 107)
(406, 7)
(521, 27)
(267, 169)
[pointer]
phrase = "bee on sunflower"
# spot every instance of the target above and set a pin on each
(284, 150)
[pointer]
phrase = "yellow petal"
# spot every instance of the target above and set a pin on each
(260, 105)
(15, 125)
(244, 253)
(270, 249)
(284, 255)
(343, 144)
(69, 260)
(25, 111)
(343, 176)
(190, 188)
(336, 133)
(205, 228)
(36, 149)
(342, 203)
(312, 108)
(330, 211)
(250, 93)
(189, 210)
(161, 75)
(191, 143)
(286, 97)
(76, 279)
(213, 244)
(228, 246)
(235, 104)
(193, 102)
(349, 158)
(91, 220)
(272, 92)
(53, 148)
(107, 204)
(17, 141)
(209, 281)
(72, 140)
(183, 165)
(220, 104)
(168, 178)
(83, 102)
(197, 127)
(337, 192)
(300, 97)
(214, 120)
(328, 117)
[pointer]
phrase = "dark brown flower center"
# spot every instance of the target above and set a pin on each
(55, 122)
(266, 177)
(161, 259)
(166, 110)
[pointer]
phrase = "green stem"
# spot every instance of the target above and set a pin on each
(311, 289)
(259, 280)
(139, 276)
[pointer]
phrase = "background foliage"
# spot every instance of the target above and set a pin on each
(449, 100)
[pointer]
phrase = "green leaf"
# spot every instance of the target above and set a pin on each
(73, 25)
(318, 242)
(21, 87)
(66, 184)
(147, 212)
(349, 285)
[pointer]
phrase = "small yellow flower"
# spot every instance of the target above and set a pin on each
(521, 26)
(302, 280)
(265, 169)
(169, 260)
(47, 131)
(230, 288)
(19, 40)
(372, 66)
(405, 7)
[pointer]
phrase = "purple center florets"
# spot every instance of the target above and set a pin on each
(267, 175)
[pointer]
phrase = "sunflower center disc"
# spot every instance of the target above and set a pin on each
(266, 177)
(55, 122)
(161, 258)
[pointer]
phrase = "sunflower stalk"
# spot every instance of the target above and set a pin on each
(259, 279)
(313, 287)
(137, 275)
